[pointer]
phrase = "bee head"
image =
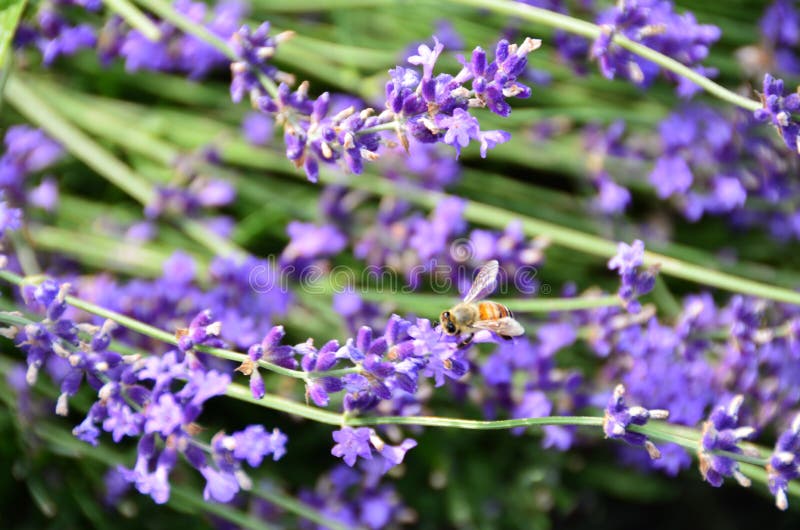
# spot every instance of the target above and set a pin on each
(447, 323)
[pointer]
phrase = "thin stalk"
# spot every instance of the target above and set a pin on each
(499, 218)
(496, 217)
(592, 31)
(10, 14)
(171, 15)
(135, 18)
(163, 336)
(297, 507)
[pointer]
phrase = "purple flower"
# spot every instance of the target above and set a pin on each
(308, 241)
(459, 128)
(221, 486)
(534, 404)
(618, 417)
(45, 195)
(164, 416)
(27, 151)
(254, 443)
(254, 47)
(10, 218)
(426, 57)
(203, 330)
(720, 433)
(257, 128)
(352, 443)
(489, 139)
(654, 24)
(393, 455)
(778, 110)
(784, 463)
(633, 283)
(671, 175)
(779, 27)
(611, 197)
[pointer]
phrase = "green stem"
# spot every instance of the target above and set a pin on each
(268, 493)
(592, 31)
(10, 14)
(135, 18)
(169, 14)
(163, 336)
(658, 431)
(569, 238)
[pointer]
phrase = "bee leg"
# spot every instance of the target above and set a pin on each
(464, 343)
(506, 337)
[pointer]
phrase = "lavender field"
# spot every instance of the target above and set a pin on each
(395, 264)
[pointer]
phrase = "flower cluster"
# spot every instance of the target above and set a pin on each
(634, 282)
(779, 28)
(254, 48)
(523, 379)
(654, 24)
(28, 151)
(245, 296)
(54, 36)
(174, 51)
(783, 463)
(192, 192)
(356, 497)
(720, 433)
(435, 108)
(778, 109)
(619, 416)
(157, 399)
(361, 442)
(422, 106)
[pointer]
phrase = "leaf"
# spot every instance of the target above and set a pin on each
(10, 13)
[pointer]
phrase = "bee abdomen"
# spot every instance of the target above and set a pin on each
(493, 311)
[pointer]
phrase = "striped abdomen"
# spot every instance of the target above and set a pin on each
(493, 311)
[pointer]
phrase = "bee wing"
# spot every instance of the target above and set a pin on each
(484, 283)
(502, 326)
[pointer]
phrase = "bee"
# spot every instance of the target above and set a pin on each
(471, 315)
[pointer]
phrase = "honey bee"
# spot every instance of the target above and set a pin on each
(471, 315)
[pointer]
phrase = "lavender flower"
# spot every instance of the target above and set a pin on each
(254, 48)
(422, 106)
(779, 29)
(720, 433)
(309, 242)
(783, 463)
(27, 151)
(778, 109)
(360, 442)
(54, 36)
(634, 282)
(10, 218)
(175, 51)
(618, 417)
(654, 24)
(202, 330)
(351, 444)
